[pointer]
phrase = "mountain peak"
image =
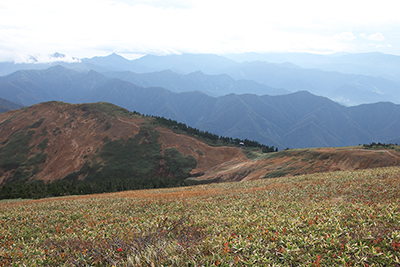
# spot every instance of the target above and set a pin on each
(115, 55)
(58, 55)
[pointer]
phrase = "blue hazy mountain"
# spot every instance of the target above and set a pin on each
(370, 64)
(6, 105)
(348, 89)
(294, 120)
(213, 85)
(298, 119)
(350, 79)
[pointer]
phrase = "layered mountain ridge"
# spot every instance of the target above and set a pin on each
(293, 120)
(350, 79)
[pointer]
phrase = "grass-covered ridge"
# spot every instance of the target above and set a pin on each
(108, 109)
(115, 163)
(16, 154)
(134, 163)
(329, 219)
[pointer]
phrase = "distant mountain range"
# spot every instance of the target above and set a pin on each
(349, 79)
(347, 89)
(213, 85)
(370, 64)
(6, 105)
(33, 86)
(298, 119)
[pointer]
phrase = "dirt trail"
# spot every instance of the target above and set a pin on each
(385, 151)
(128, 122)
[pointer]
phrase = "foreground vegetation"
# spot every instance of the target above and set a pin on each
(326, 219)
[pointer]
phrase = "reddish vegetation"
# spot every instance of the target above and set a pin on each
(154, 194)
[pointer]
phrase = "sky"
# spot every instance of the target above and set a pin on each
(88, 28)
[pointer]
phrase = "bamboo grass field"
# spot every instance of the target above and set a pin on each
(343, 218)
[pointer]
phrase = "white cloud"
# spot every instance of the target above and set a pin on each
(347, 36)
(185, 4)
(376, 37)
(100, 27)
(373, 37)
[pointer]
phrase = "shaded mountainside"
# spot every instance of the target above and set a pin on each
(349, 89)
(349, 79)
(59, 83)
(31, 87)
(213, 85)
(6, 105)
(294, 120)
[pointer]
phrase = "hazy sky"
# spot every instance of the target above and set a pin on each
(87, 28)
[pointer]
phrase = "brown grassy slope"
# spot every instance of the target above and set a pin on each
(77, 132)
(208, 157)
(303, 161)
(73, 136)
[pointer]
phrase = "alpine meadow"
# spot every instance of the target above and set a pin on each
(276, 159)
(199, 133)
